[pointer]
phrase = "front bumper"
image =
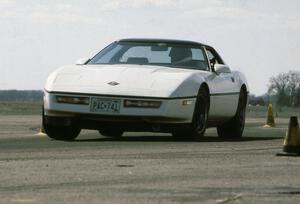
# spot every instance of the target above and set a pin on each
(172, 110)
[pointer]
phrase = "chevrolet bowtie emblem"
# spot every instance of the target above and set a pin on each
(113, 83)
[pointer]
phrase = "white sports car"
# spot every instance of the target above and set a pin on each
(157, 85)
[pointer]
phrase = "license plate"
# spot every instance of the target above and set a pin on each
(105, 105)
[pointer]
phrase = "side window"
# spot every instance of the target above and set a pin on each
(199, 59)
(197, 54)
(213, 57)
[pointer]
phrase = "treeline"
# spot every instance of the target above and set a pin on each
(21, 95)
(283, 91)
(258, 100)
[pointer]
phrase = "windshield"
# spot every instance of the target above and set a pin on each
(144, 53)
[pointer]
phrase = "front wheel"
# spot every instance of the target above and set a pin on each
(233, 129)
(198, 126)
(60, 132)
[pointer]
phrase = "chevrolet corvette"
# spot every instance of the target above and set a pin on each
(156, 85)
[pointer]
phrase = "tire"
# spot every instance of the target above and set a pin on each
(110, 132)
(234, 128)
(66, 133)
(199, 122)
(60, 132)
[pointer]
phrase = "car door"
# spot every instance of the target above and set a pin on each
(224, 91)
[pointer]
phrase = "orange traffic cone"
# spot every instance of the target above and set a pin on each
(291, 144)
(270, 117)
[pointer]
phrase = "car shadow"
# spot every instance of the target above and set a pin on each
(172, 139)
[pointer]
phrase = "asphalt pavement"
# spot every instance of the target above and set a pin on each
(145, 167)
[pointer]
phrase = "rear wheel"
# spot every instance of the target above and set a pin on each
(233, 129)
(198, 126)
(111, 132)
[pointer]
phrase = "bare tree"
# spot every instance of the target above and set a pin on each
(293, 85)
(285, 86)
(297, 97)
(278, 87)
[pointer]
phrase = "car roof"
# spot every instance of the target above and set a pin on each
(158, 40)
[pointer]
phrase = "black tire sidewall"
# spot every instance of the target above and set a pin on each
(233, 129)
(202, 99)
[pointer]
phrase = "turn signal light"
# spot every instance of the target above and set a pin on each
(187, 102)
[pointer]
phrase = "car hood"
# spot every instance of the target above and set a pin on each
(125, 80)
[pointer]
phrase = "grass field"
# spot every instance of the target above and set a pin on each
(282, 112)
(20, 108)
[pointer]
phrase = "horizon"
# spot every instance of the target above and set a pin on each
(259, 38)
(42, 90)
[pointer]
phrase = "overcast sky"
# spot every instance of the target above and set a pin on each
(258, 37)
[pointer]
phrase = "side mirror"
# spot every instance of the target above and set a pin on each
(82, 61)
(221, 68)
